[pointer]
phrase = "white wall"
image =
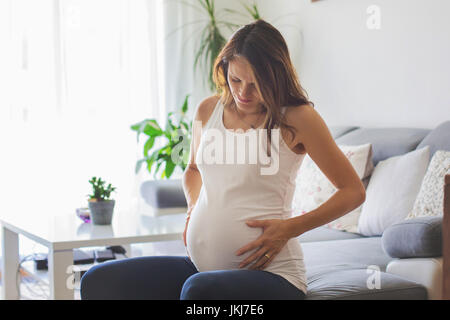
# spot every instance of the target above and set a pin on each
(398, 75)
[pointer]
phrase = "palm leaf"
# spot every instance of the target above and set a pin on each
(252, 10)
(184, 26)
(234, 12)
(189, 5)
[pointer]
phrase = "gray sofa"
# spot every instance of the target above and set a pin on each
(338, 263)
(342, 265)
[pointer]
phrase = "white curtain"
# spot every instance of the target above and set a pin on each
(183, 23)
(76, 74)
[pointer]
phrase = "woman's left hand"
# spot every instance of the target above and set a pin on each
(270, 243)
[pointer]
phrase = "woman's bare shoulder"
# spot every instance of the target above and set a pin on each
(206, 108)
(297, 115)
(308, 122)
(304, 118)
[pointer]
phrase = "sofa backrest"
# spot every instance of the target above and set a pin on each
(386, 142)
(337, 131)
(390, 142)
(437, 139)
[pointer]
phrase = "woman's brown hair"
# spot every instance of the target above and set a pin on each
(276, 79)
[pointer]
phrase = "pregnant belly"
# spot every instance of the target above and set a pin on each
(214, 236)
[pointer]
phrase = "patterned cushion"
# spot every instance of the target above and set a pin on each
(313, 188)
(429, 201)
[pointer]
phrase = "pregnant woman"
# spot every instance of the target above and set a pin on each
(240, 233)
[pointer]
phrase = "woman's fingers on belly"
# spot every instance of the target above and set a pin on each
(254, 257)
(264, 261)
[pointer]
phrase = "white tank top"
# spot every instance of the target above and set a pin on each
(234, 192)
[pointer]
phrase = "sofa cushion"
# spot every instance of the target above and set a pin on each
(437, 139)
(392, 191)
(350, 269)
(386, 142)
(313, 188)
(324, 234)
(332, 253)
(430, 200)
(351, 282)
(164, 193)
(414, 238)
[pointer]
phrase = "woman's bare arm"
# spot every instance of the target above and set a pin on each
(192, 184)
(321, 147)
(192, 180)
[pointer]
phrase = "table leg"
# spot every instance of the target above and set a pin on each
(10, 263)
(60, 267)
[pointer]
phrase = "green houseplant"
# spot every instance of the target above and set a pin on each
(211, 39)
(100, 205)
(252, 10)
(175, 149)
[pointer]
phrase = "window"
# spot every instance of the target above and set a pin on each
(79, 73)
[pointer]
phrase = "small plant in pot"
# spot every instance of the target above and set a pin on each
(100, 204)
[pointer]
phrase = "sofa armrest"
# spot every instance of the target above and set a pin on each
(446, 239)
(414, 238)
(429, 278)
(425, 271)
(164, 196)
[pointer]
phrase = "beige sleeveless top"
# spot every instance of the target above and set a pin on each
(236, 188)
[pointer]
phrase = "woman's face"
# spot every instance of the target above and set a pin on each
(243, 84)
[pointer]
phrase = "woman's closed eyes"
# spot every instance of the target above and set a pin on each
(238, 80)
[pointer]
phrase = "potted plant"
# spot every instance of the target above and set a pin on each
(175, 149)
(100, 205)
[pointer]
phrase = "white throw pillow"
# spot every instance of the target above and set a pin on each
(430, 201)
(313, 188)
(392, 191)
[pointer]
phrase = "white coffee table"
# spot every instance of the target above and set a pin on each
(62, 234)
